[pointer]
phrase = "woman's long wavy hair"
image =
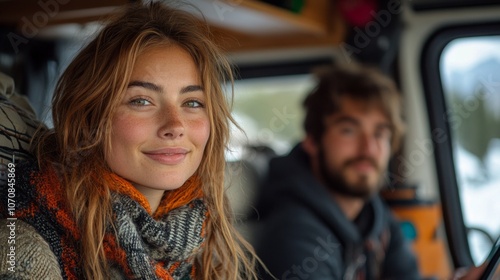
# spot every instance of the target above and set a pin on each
(84, 102)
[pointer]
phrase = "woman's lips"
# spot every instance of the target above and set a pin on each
(168, 156)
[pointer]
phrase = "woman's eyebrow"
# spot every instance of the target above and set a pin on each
(191, 88)
(146, 85)
(159, 89)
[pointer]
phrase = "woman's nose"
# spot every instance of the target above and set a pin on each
(172, 125)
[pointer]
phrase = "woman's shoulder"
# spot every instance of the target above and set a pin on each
(36, 197)
(27, 184)
(24, 254)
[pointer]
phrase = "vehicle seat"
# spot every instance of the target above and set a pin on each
(243, 181)
(18, 123)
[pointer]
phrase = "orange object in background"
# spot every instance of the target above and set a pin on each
(420, 222)
(430, 248)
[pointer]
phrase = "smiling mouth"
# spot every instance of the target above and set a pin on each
(167, 158)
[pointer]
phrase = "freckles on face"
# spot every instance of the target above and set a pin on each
(161, 127)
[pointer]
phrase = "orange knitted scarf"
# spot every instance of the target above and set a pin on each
(159, 246)
(175, 199)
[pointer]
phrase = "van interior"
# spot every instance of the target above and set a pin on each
(444, 183)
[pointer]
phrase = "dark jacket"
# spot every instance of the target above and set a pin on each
(303, 234)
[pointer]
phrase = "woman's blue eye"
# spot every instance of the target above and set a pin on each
(194, 104)
(140, 102)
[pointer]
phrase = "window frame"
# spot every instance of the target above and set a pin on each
(443, 152)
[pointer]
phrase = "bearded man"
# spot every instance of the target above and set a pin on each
(321, 216)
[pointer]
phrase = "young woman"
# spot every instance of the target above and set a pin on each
(129, 183)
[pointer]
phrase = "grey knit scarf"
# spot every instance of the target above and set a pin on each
(156, 249)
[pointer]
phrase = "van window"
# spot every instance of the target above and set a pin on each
(470, 75)
(269, 111)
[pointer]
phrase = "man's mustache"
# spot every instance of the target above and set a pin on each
(371, 160)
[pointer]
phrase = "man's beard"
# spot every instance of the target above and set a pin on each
(336, 181)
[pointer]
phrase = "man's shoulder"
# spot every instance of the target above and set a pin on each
(294, 242)
(293, 225)
(292, 213)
